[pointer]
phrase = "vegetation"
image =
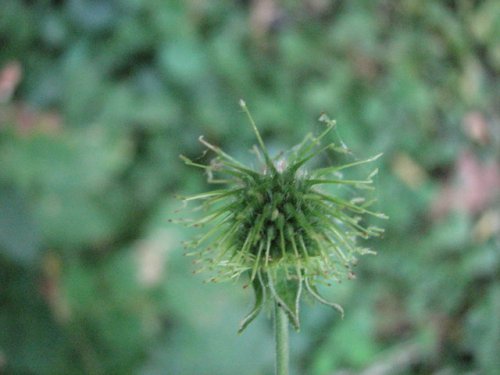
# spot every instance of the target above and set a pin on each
(98, 99)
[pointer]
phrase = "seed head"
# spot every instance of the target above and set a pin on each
(278, 225)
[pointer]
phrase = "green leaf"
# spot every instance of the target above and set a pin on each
(259, 290)
(286, 292)
(314, 292)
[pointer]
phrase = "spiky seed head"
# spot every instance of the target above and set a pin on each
(278, 224)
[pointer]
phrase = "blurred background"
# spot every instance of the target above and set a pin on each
(99, 97)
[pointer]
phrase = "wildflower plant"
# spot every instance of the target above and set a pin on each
(278, 225)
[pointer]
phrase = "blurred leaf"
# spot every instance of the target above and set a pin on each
(483, 330)
(19, 234)
(31, 341)
(350, 343)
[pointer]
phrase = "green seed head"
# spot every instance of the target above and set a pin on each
(278, 225)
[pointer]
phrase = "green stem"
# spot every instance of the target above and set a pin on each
(281, 338)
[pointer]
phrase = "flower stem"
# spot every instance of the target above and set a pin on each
(281, 339)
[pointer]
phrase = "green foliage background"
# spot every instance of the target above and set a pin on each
(92, 277)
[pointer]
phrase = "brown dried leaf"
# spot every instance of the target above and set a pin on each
(474, 187)
(408, 170)
(10, 76)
